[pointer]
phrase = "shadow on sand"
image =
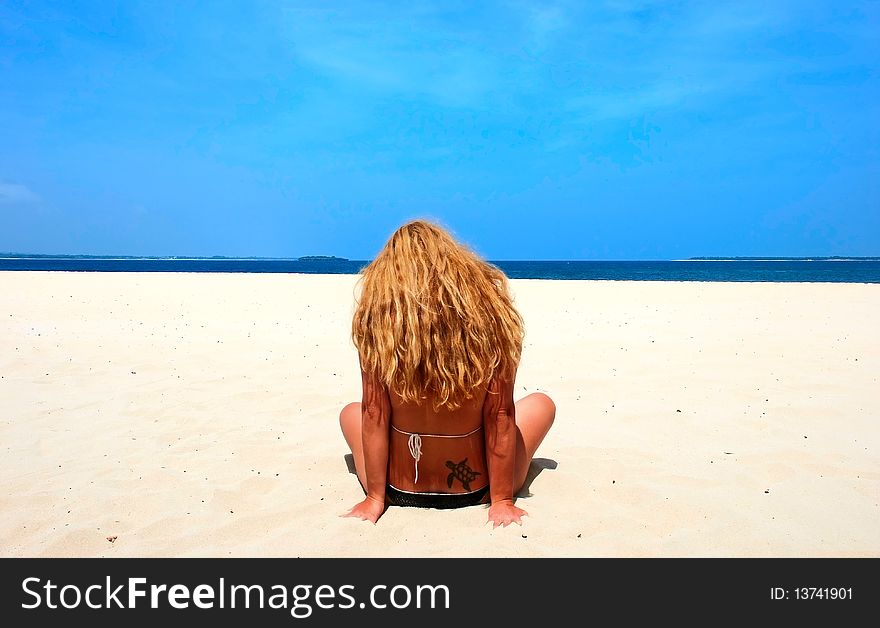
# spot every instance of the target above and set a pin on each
(535, 468)
(349, 462)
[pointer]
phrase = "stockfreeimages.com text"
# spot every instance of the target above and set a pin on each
(300, 599)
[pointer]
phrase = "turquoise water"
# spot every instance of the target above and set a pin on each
(856, 271)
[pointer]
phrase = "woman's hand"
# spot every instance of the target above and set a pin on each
(369, 510)
(503, 513)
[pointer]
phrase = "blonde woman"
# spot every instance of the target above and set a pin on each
(439, 342)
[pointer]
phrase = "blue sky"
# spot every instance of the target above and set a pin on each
(610, 129)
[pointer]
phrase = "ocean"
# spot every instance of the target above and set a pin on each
(835, 271)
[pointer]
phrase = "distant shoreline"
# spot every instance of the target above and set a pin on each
(184, 258)
(831, 258)
(333, 258)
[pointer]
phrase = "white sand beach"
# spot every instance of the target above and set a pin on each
(184, 414)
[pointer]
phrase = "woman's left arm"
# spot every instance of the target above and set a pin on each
(375, 426)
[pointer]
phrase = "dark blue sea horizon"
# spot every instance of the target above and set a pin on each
(835, 271)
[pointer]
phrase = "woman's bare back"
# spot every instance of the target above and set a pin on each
(437, 452)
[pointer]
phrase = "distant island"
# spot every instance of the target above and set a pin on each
(817, 258)
(309, 258)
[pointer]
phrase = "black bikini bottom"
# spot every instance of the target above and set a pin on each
(395, 497)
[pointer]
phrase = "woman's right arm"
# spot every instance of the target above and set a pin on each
(499, 423)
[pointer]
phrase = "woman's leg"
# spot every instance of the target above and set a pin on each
(534, 416)
(350, 421)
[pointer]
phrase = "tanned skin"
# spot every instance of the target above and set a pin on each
(502, 457)
(376, 423)
(499, 421)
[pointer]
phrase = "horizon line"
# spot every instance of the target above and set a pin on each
(12, 255)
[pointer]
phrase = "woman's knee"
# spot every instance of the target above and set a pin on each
(349, 412)
(546, 403)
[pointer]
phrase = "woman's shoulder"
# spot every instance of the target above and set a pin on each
(422, 417)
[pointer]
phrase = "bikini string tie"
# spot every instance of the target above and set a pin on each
(415, 448)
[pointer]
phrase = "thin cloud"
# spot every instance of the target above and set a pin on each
(413, 55)
(684, 62)
(15, 193)
(543, 25)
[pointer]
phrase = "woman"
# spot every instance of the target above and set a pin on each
(439, 342)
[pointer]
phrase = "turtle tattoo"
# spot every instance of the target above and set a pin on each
(462, 472)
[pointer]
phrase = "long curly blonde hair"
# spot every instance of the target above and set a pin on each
(434, 318)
